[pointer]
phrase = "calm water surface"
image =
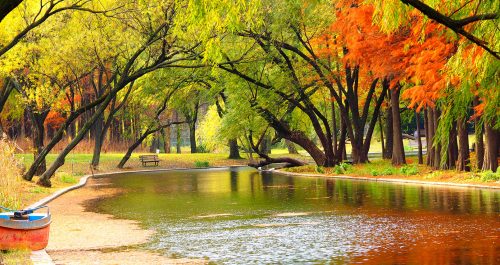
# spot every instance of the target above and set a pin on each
(241, 216)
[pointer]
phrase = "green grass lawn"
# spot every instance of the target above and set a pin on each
(79, 164)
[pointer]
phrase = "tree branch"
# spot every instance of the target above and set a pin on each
(455, 25)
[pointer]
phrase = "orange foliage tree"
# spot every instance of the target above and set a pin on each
(367, 55)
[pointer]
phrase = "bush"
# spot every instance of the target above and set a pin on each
(342, 168)
(201, 164)
(320, 169)
(490, 176)
(409, 170)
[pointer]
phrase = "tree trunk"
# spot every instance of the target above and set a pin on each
(491, 152)
(165, 134)
(291, 147)
(389, 134)
(5, 92)
(45, 178)
(265, 145)
(98, 140)
(139, 141)
(234, 149)
(419, 140)
(192, 137)
(398, 152)
(155, 144)
(452, 149)
(427, 132)
(358, 155)
(131, 149)
(463, 145)
(478, 133)
(334, 131)
(38, 135)
(179, 139)
(381, 126)
(430, 140)
(58, 137)
(437, 149)
(342, 141)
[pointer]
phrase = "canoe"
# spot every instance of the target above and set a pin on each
(24, 229)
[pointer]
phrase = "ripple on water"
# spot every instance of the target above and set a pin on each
(306, 238)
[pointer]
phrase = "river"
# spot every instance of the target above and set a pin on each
(242, 216)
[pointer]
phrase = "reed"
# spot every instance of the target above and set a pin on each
(10, 176)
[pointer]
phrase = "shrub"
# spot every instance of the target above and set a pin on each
(320, 169)
(490, 176)
(201, 164)
(342, 168)
(409, 170)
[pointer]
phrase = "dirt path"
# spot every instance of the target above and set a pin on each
(81, 237)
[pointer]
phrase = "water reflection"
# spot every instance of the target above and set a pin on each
(241, 216)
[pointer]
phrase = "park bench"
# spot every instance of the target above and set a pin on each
(145, 159)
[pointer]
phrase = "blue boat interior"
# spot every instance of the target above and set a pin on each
(31, 217)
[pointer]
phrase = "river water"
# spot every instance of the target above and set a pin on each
(242, 216)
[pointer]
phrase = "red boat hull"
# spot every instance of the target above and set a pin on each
(34, 239)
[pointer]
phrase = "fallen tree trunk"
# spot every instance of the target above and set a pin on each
(267, 159)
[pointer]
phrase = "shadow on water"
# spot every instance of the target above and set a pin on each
(241, 216)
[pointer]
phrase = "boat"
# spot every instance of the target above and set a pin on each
(24, 229)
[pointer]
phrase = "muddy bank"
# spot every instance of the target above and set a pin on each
(82, 237)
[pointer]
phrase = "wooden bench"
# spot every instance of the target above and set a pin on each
(145, 159)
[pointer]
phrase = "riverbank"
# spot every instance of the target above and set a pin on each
(382, 170)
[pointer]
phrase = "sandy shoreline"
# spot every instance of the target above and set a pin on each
(82, 237)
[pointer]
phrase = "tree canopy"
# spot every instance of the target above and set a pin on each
(322, 75)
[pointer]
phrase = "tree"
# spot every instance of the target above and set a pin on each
(37, 16)
(465, 18)
(157, 43)
(154, 125)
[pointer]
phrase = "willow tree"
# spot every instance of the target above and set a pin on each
(41, 71)
(21, 17)
(149, 45)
